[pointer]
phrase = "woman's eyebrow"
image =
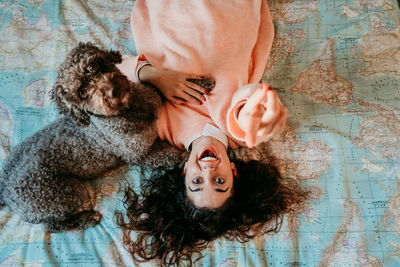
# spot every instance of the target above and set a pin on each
(201, 189)
(222, 191)
(195, 190)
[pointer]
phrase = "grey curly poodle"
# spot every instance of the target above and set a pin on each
(107, 121)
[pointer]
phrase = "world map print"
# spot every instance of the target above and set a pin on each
(335, 65)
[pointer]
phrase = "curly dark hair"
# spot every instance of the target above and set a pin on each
(170, 228)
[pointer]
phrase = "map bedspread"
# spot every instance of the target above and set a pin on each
(335, 65)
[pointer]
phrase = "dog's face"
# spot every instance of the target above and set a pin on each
(89, 82)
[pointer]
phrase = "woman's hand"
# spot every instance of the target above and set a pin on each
(262, 116)
(175, 86)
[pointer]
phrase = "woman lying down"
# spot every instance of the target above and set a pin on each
(181, 210)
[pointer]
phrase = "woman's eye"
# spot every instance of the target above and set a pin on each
(219, 180)
(196, 180)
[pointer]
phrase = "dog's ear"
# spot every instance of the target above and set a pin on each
(58, 96)
(83, 48)
(113, 57)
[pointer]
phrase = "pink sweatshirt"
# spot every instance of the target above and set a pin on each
(227, 40)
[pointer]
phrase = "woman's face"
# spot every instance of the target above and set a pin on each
(209, 173)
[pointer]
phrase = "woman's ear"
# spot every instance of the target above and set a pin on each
(184, 169)
(234, 170)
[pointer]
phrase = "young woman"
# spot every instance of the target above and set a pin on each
(228, 41)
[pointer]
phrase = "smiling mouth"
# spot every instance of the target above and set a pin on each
(208, 154)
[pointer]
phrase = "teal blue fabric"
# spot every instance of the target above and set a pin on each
(335, 65)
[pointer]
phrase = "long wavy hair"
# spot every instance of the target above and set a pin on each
(163, 224)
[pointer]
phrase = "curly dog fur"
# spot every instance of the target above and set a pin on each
(107, 121)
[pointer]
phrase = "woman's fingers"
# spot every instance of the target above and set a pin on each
(251, 113)
(196, 88)
(187, 91)
(275, 127)
(281, 126)
(273, 119)
(188, 98)
(270, 117)
(187, 94)
(252, 125)
(193, 77)
(194, 96)
(176, 100)
(273, 108)
(256, 98)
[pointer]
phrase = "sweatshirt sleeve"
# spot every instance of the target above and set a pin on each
(238, 101)
(129, 66)
(259, 57)
(263, 45)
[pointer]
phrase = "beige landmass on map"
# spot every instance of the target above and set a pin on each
(349, 12)
(124, 33)
(16, 259)
(35, 2)
(293, 11)
(15, 48)
(37, 94)
(117, 255)
(309, 213)
(13, 229)
(77, 13)
(379, 132)
(369, 166)
(384, 4)
(5, 131)
(391, 219)
(380, 48)
(214, 247)
(230, 261)
(284, 46)
(78, 16)
(348, 247)
(111, 9)
(396, 249)
(295, 158)
(322, 83)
